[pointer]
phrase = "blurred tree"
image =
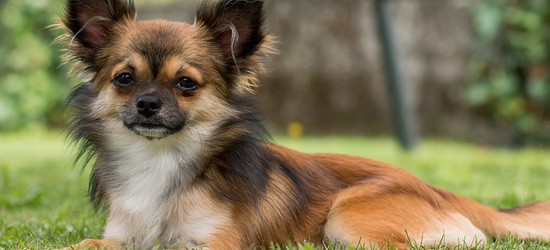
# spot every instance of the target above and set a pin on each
(511, 67)
(32, 85)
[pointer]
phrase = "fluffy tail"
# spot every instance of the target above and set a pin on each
(529, 221)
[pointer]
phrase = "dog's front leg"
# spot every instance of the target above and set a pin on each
(105, 244)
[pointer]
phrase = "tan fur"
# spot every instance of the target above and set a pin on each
(285, 196)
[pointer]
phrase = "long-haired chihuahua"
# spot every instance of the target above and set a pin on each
(181, 159)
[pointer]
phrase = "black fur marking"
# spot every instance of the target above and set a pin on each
(301, 187)
(244, 163)
(243, 159)
(81, 126)
(156, 48)
(250, 117)
(84, 130)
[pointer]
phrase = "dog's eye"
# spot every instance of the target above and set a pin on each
(187, 84)
(124, 80)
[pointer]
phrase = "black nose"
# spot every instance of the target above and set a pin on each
(148, 105)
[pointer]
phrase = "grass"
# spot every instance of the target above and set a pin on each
(43, 202)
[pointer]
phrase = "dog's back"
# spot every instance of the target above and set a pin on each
(379, 203)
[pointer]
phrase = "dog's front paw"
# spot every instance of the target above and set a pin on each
(94, 244)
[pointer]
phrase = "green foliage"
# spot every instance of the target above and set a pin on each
(511, 67)
(32, 84)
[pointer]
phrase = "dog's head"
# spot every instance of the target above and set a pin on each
(158, 77)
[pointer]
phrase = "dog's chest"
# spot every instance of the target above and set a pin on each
(156, 203)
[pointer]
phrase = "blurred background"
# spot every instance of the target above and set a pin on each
(471, 70)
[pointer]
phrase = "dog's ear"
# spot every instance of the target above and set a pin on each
(236, 25)
(90, 23)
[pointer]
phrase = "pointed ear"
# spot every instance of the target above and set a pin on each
(89, 24)
(236, 25)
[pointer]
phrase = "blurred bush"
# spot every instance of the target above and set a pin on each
(32, 84)
(511, 65)
(329, 77)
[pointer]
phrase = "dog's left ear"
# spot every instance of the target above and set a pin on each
(236, 25)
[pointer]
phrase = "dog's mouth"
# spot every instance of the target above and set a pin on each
(150, 131)
(153, 131)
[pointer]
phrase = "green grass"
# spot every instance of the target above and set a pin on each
(43, 201)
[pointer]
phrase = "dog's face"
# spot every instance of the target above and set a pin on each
(158, 77)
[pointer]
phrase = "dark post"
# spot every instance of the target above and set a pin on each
(402, 116)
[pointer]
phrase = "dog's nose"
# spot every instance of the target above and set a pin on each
(148, 105)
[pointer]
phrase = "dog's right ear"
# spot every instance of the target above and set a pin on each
(90, 22)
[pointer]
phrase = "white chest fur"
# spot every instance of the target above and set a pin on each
(155, 201)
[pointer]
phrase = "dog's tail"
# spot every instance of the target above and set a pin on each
(529, 221)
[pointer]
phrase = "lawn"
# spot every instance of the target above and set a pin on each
(43, 202)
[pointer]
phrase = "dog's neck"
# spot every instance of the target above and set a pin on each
(176, 156)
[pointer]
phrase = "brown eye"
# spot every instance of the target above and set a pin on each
(123, 80)
(187, 84)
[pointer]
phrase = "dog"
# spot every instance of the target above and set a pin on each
(181, 159)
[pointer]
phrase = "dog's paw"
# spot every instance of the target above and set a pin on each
(92, 244)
